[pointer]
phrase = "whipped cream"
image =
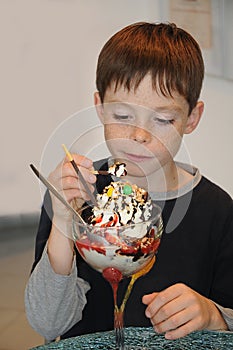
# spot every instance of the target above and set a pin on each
(121, 204)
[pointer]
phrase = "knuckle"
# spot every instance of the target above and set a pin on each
(66, 166)
(186, 329)
(194, 300)
(161, 297)
(158, 328)
(182, 286)
(175, 321)
(78, 157)
(82, 161)
(69, 182)
(149, 311)
(166, 312)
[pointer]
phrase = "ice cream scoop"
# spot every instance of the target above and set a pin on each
(117, 169)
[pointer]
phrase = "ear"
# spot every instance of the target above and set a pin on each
(99, 106)
(194, 118)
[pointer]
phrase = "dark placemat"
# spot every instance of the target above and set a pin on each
(146, 338)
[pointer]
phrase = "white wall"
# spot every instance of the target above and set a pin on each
(211, 145)
(48, 57)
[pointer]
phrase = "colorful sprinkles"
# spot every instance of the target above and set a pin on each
(127, 189)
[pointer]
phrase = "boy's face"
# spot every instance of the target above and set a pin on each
(144, 129)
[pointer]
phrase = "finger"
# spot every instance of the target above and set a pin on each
(86, 174)
(70, 186)
(71, 194)
(148, 298)
(181, 331)
(74, 182)
(77, 191)
(79, 160)
(163, 298)
(68, 170)
(69, 179)
(82, 161)
(172, 321)
(71, 182)
(65, 168)
(169, 309)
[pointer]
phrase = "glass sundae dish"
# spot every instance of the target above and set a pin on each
(120, 239)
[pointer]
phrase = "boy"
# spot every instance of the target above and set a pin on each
(149, 78)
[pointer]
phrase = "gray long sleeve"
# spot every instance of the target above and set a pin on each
(54, 303)
(227, 314)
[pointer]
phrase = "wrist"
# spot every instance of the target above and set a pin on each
(62, 225)
(217, 321)
(60, 251)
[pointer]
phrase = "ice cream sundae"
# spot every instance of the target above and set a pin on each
(123, 232)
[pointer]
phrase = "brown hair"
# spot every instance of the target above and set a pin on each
(168, 53)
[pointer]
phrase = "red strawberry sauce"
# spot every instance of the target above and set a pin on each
(113, 276)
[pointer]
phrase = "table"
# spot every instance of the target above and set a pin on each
(146, 337)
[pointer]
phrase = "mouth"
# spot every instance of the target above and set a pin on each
(137, 158)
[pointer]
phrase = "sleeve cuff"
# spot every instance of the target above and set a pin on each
(227, 315)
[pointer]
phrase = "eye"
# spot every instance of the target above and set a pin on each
(164, 121)
(121, 117)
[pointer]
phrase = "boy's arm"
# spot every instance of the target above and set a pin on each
(54, 296)
(43, 295)
(60, 251)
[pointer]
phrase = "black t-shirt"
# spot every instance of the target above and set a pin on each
(198, 252)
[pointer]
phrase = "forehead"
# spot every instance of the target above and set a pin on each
(145, 95)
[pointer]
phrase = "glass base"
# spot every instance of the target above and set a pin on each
(145, 339)
(127, 347)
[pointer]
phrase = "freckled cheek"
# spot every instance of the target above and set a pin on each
(115, 132)
(171, 143)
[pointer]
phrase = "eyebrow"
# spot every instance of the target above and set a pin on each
(166, 108)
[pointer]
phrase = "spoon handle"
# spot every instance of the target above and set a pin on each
(51, 188)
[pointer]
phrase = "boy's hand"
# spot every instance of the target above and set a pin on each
(64, 178)
(179, 310)
(66, 181)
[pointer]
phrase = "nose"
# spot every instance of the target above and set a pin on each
(140, 135)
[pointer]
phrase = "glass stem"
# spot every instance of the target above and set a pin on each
(134, 278)
(119, 317)
(127, 294)
(119, 328)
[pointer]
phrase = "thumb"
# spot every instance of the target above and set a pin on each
(147, 299)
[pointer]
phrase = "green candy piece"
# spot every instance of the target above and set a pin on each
(127, 189)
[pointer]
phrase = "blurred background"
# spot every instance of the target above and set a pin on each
(49, 50)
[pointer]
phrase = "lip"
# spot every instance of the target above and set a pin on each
(137, 158)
